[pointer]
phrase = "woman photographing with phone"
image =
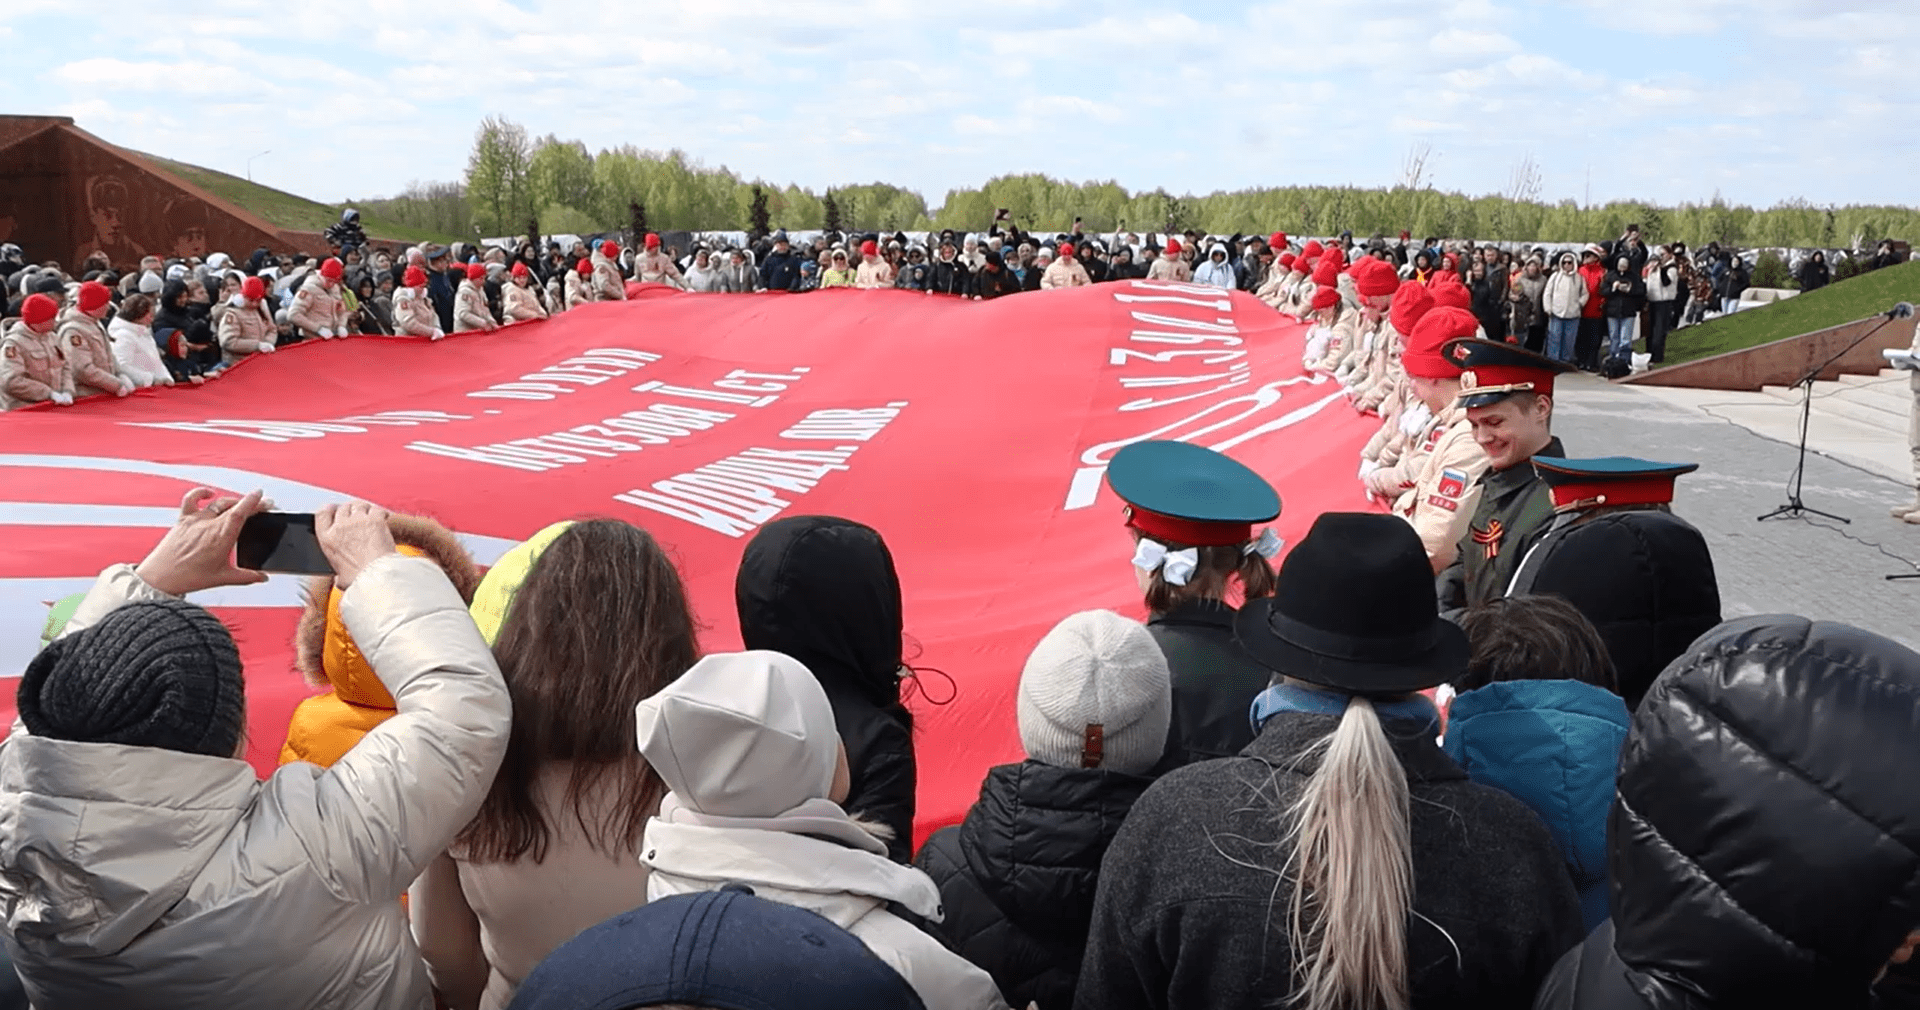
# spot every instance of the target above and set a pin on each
(140, 844)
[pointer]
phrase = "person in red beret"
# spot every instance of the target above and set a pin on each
(607, 284)
(318, 310)
(84, 341)
(32, 369)
(413, 314)
(656, 267)
(518, 300)
(1065, 271)
(470, 311)
(1375, 283)
(1170, 265)
(874, 271)
(247, 327)
(1439, 500)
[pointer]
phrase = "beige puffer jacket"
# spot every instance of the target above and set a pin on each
(89, 356)
(32, 366)
(146, 879)
(245, 330)
(520, 304)
(413, 314)
(470, 310)
(317, 307)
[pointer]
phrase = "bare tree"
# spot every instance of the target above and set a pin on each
(1415, 171)
(1525, 183)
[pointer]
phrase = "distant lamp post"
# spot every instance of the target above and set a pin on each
(262, 154)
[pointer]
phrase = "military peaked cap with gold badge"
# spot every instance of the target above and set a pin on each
(1610, 481)
(1492, 370)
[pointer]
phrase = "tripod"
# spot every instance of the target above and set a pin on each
(1794, 506)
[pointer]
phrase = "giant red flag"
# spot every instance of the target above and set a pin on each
(973, 435)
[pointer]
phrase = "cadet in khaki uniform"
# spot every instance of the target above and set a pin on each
(470, 310)
(1447, 487)
(32, 369)
(413, 314)
(318, 310)
(607, 284)
(518, 299)
(90, 361)
(1507, 393)
(246, 328)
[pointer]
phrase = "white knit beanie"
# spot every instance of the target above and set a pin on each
(1096, 693)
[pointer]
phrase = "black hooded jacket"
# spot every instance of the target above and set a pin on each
(1764, 834)
(1017, 877)
(824, 591)
(993, 279)
(1644, 577)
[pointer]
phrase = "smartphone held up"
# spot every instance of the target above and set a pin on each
(283, 542)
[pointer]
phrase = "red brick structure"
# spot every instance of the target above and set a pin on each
(65, 193)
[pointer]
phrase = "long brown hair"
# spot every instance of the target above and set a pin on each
(600, 624)
(1212, 578)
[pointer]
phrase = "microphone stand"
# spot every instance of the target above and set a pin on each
(1794, 506)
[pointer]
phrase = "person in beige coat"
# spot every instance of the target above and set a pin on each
(656, 267)
(1065, 272)
(606, 283)
(518, 300)
(145, 866)
(246, 328)
(556, 846)
(84, 341)
(413, 314)
(33, 369)
(318, 310)
(1169, 266)
(470, 310)
(874, 271)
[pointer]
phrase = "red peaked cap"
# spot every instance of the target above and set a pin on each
(1452, 294)
(476, 272)
(417, 278)
(1373, 278)
(94, 296)
(332, 269)
(1425, 355)
(1324, 298)
(253, 288)
(38, 309)
(1410, 303)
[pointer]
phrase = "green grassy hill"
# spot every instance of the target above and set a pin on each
(1840, 302)
(285, 209)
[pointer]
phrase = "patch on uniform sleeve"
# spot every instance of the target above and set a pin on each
(77, 341)
(1453, 484)
(1450, 504)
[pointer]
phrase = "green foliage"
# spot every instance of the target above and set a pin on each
(829, 213)
(380, 218)
(1770, 271)
(499, 183)
(558, 219)
(1839, 302)
(759, 217)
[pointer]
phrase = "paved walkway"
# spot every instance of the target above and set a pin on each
(1808, 566)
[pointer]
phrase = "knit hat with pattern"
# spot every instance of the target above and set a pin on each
(1096, 694)
(162, 674)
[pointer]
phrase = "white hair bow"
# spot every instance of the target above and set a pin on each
(1174, 566)
(1266, 545)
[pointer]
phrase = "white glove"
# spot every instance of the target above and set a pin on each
(438, 334)
(1415, 419)
(126, 386)
(1368, 466)
(266, 348)
(63, 399)
(326, 334)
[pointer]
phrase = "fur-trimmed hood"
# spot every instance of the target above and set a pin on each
(415, 535)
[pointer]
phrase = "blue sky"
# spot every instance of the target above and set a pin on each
(1667, 100)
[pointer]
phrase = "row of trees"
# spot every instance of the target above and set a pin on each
(512, 178)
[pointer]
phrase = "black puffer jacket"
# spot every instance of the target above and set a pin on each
(1645, 579)
(1764, 832)
(823, 590)
(1017, 877)
(1214, 683)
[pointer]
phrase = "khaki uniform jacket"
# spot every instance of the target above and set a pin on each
(244, 331)
(316, 307)
(656, 267)
(1169, 268)
(1064, 273)
(520, 304)
(89, 356)
(1441, 502)
(32, 367)
(578, 291)
(877, 274)
(413, 314)
(470, 310)
(607, 283)
(1346, 336)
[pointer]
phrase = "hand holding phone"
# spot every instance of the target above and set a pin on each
(283, 542)
(198, 552)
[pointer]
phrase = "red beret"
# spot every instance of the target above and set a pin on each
(254, 289)
(1313, 247)
(1066, 248)
(38, 309)
(1373, 278)
(653, 241)
(332, 269)
(1425, 355)
(1278, 240)
(1327, 273)
(586, 267)
(94, 296)
(519, 270)
(1173, 247)
(609, 249)
(1337, 255)
(1410, 303)
(1452, 294)
(868, 248)
(476, 272)
(1288, 260)
(1325, 297)
(417, 278)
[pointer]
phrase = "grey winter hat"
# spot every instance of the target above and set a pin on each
(1096, 693)
(161, 674)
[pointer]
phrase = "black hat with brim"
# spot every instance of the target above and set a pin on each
(1354, 610)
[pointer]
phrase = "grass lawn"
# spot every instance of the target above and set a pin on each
(287, 210)
(1840, 302)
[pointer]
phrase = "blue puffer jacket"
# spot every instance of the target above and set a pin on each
(1554, 745)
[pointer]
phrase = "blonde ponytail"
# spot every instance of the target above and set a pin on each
(1352, 868)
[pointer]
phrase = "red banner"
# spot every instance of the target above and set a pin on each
(973, 435)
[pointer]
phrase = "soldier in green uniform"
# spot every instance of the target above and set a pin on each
(1508, 395)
